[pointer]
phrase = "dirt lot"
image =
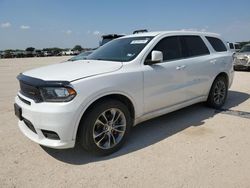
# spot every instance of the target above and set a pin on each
(193, 147)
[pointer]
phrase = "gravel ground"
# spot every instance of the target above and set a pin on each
(193, 147)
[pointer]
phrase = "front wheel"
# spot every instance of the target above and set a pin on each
(218, 93)
(105, 127)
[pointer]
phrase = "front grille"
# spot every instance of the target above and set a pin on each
(241, 62)
(30, 91)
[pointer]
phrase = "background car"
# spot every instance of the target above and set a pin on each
(234, 47)
(108, 38)
(242, 58)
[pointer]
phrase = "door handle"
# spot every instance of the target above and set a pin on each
(213, 61)
(181, 67)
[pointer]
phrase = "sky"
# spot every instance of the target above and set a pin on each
(65, 23)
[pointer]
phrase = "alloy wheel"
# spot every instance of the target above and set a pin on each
(219, 92)
(109, 128)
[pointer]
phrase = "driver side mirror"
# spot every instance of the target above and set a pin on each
(156, 57)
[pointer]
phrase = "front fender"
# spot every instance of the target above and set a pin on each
(91, 99)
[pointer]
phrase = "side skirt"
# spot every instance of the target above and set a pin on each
(169, 109)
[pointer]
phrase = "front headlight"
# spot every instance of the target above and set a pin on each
(57, 94)
(248, 58)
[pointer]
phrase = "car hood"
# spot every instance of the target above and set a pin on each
(242, 54)
(70, 71)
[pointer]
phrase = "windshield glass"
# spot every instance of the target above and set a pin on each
(245, 48)
(81, 56)
(123, 49)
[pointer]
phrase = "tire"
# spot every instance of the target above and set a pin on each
(218, 93)
(105, 127)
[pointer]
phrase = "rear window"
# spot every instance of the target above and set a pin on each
(193, 46)
(217, 44)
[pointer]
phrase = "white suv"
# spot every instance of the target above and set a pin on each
(127, 81)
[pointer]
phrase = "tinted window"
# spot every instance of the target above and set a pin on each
(170, 47)
(193, 46)
(231, 45)
(122, 49)
(217, 44)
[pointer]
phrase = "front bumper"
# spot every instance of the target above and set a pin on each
(40, 138)
(54, 117)
(241, 64)
(242, 67)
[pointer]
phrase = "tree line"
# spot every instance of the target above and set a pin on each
(243, 43)
(32, 52)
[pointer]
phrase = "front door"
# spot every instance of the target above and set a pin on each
(164, 83)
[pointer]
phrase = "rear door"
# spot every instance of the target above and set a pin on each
(198, 66)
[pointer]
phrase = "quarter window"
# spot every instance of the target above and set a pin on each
(217, 44)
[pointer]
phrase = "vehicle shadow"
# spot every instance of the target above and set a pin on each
(152, 131)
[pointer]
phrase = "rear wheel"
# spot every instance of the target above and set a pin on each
(218, 93)
(105, 127)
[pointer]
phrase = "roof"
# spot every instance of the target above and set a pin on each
(155, 33)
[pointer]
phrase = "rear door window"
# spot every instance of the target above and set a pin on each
(217, 44)
(193, 46)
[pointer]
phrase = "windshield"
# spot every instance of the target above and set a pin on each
(245, 48)
(81, 56)
(122, 49)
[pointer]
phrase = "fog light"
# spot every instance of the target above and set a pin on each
(50, 135)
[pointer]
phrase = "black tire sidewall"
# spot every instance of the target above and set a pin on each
(86, 126)
(210, 100)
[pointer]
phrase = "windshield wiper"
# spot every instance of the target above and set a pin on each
(100, 59)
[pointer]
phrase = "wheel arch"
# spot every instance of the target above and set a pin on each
(210, 98)
(223, 74)
(125, 99)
